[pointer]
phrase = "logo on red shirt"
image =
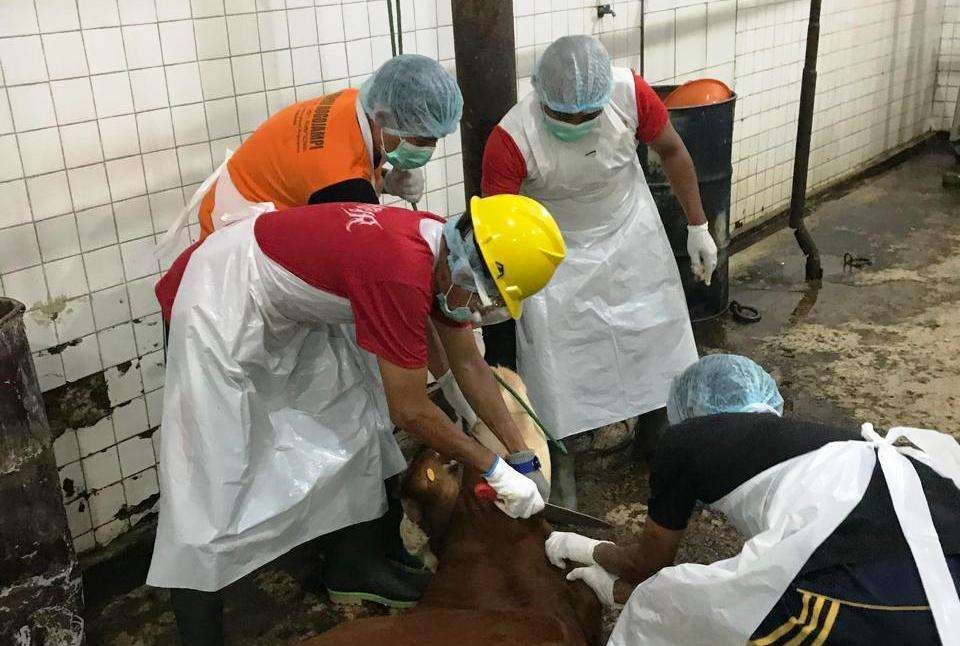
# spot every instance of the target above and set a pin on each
(365, 214)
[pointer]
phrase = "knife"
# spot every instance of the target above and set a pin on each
(553, 513)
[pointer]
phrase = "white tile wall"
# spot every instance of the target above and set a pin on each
(111, 111)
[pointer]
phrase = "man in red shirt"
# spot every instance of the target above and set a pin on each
(297, 340)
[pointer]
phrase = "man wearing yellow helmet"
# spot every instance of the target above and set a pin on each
(281, 390)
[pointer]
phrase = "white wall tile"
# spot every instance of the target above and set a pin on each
(279, 99)
(73, 100)
(10, 166)
(691, 38)
(17, 17)
(239, 6)
(189, 124)
(129, 420)
(66, 277)
(101, 466)
(119, 136)
(277, 69)
(40, 151)
(96, 228)
(273, 30)
(183, 84)
(20, 248)
(161, 170)
(6, 119)
(195, 163)
(173, 10)
(212, 39)
(64, 55)
(107, 533)
(41, 331)
(76, 319)
(117, 343)
(333, 61)
(143, 301)
(252, 110)
(152, 364)
(71, 481)
(138, 262)
(359, 57)
(49, 195)
(81, 360)
(379, 17)
(177, 42)
(206, 8)
(222, 117)
(247, 73)
(156, 130)
(149, 88)
(98, 13)
(216, 79)
(57, 15)
(136, 454)
(303, 27)
(111, 94)
(306, 65)
(65, 448)
(137, 11)
(88, 185)
(58, 237)
(133, 217)
(110, 307)
(78, 517)
(356, 23)
(142, 46)
(244, 36)
(154, 412)
(721, 31)
(32, 106)
(81, 144)
(22, 60)
(105, 504)
(27, 285)
(125, 177)
(141, 486)
(330, 24)
(104, 49)
(16, 210)
(659, 63)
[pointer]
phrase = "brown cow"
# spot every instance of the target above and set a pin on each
(493, 585)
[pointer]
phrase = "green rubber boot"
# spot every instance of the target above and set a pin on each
(389, 525)
(356, 568)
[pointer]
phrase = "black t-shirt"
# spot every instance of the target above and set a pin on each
(705, 458)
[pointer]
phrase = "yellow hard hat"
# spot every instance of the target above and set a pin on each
(520, 243)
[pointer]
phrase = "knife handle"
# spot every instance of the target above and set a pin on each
(483, 491)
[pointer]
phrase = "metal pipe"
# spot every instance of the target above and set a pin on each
(400, 27)
(483, 42)
(801, 160)
(393, 29)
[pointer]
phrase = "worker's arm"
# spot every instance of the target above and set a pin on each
(479, 385)
(412, 410)
(679, 169)
(634, 564)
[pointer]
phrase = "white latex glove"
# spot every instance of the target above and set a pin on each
(599, 580)
(406, 184)
(517, 495)
(569, 546)
(702, 250)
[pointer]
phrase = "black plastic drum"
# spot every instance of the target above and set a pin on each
(707, 132)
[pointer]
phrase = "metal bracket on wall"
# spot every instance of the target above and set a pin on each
(605, 10)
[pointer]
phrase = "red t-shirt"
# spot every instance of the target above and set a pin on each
(504, 167)
(374, 256)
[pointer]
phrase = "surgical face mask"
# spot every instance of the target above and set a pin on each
(406, 155)
(568, 132)
(461, 314)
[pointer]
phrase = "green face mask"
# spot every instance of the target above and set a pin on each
(408, 156)
(569, 131)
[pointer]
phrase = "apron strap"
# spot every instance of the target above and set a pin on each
(913, 514)
(165, 245)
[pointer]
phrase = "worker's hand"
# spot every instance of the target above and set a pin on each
(569, 546)
(599, 580)
(517, 496)
(527, 463)
(702, 250)
(407, 184)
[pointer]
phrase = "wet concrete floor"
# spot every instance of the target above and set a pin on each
(878, 342)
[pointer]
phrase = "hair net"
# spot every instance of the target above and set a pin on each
(722, 383)
(412, 96)
(573, 75)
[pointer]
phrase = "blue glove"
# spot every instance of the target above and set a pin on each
(527, 463)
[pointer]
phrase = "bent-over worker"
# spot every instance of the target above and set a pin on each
(601, 343)
(851, 538)
(335, 148)
(295, 338)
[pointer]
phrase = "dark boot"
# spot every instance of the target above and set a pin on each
(650, 426)
(199, 616)
(389, 525)
(356, 568)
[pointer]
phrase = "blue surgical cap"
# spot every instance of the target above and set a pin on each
(574, 75)
(722, 383)
(412, 96)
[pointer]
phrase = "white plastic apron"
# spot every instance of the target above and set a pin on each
(603, 340)
(275, 424)
(788, 511)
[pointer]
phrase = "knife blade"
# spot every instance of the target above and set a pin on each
(553, 513)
